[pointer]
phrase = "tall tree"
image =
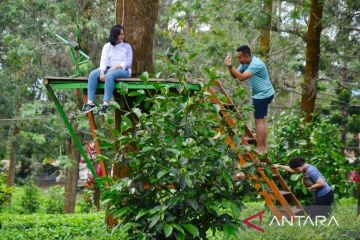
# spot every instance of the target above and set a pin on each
(72, 172)
(72, 175)
(312, 59)
(266, 30)
(12, 155)
(139, 18)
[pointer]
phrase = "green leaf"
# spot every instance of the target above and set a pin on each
(162, 173)
(175, 151)
(229, 231)
(251, 170)
(157, 75)
(179, 229)
(126, 123)
(217, 107)
(295, 177)
(116, 105)
(160, 97)
(168, 230)
(136, 93)
(144, 77)
(216, 209)
(154, 220)
(140, 214)
(123, 89)
(120, 212)
(187, 179)
(146, 149)
(102, 157)
(191, 229)
(137, 112)
(235, 210)
(240, 91)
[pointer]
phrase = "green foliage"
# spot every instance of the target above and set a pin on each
(91, 226)
(55, 226)
(55, 201)
(5, 191)
(343, 211)
(180, 183)
(86, 203)
(31, 51)
(318, 143)
(30, 200)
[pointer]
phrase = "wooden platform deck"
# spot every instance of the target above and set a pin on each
(131, 83)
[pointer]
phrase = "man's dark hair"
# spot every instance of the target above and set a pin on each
(296, 162)
(114, 33)
(245, 49)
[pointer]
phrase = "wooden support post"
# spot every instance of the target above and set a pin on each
(95, 137)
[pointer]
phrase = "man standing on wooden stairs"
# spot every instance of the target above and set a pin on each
(324, 194)
(254, 70)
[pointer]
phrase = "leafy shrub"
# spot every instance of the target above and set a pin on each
(55, 226)
(5, 191)
(318, 143)
(180, 183)
(30, 200)
(55, 201)
(86, 203)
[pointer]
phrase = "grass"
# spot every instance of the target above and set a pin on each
(57, 226)
(91, 226)
(344, 212)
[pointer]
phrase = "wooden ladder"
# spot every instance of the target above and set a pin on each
(277, 195)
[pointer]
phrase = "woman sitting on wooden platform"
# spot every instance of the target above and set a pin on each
(116, 60)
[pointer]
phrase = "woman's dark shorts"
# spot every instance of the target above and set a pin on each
(261, 107)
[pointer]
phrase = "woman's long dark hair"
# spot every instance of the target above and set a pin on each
(114, 33)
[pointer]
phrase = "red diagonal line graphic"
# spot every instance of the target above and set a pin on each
(247, 221)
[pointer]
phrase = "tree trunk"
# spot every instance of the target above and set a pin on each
(12, 157)
(138, 18)
(312, 60)
(265, 31)
(72, 173)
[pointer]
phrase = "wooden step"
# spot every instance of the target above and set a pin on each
(229, 106)
(284, 193)
(262, 168)
(264, 185)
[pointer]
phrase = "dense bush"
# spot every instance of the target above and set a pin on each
(180, 184)
(318, 143)
(61, 226)
(55, 201)
(86, 203)
(5, 191)
(30, 200)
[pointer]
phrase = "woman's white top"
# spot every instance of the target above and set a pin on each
(120, 54)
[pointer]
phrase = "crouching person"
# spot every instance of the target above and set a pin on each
(324, 195)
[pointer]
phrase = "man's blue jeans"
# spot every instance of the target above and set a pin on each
(110, 77)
